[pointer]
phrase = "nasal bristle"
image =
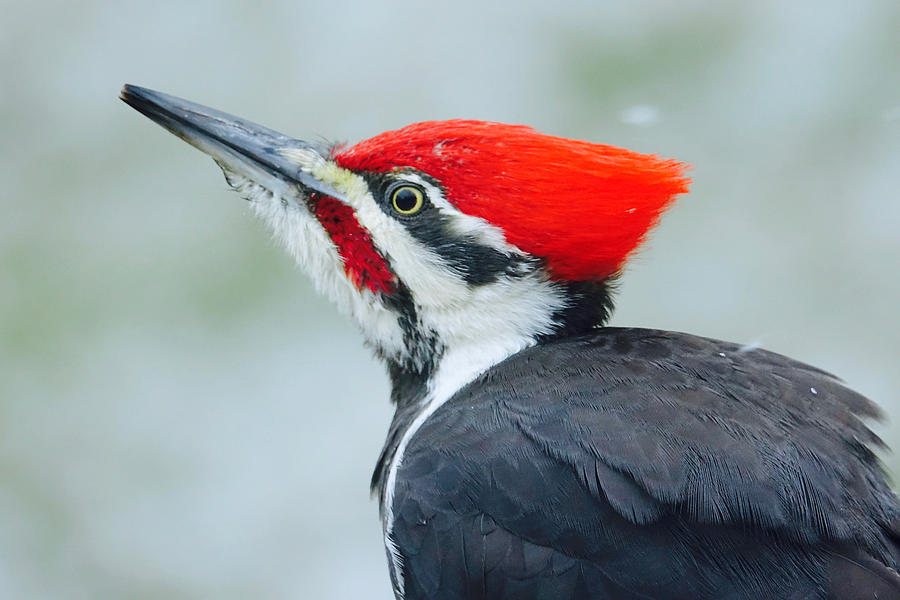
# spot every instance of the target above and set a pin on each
(582, 207)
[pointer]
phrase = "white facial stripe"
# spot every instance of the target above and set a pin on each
(418, 266)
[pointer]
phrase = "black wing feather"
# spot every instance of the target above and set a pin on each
(646, 464)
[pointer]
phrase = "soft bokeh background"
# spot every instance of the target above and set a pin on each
(180, 417)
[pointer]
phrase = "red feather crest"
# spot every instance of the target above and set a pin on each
(582, 207)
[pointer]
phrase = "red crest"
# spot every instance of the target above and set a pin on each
(583, 207)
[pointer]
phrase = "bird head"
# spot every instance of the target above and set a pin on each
(452, 244)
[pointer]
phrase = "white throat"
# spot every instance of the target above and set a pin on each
(498, 320)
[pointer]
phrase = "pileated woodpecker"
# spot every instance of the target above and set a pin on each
(536, 453)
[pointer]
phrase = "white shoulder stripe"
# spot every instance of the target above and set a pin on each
(458, 367)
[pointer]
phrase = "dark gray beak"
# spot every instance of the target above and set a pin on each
(237, 145)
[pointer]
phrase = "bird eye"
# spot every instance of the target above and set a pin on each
(407, 199)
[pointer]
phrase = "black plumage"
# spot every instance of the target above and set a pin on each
(633, 463)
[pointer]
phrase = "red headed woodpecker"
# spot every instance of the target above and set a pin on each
(535, 452)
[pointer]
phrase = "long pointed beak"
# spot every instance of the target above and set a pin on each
(236, 144)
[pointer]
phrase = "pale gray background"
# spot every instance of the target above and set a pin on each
(183, 418)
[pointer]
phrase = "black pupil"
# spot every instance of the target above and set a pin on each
(405, 199)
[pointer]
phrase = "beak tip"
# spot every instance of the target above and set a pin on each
(137, 96)
(227, 138)
(128, 93)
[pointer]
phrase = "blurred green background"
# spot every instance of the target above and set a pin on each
(181, 417)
